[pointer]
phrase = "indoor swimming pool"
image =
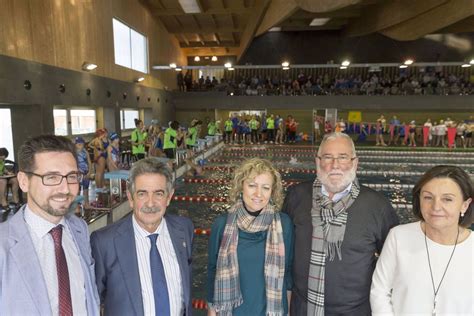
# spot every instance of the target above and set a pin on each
(393, 173)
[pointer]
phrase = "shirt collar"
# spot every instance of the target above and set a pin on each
(140, 232)
(339, 195)
(38, 224)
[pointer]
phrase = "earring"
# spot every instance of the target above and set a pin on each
(462, 215)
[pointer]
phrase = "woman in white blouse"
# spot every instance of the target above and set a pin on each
(426, 267)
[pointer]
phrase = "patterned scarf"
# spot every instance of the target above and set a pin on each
(227, 294)
(329, 225)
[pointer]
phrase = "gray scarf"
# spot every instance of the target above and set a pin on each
(329, 225)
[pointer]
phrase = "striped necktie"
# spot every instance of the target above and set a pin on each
(64, 290)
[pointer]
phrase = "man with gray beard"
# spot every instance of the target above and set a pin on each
(46, 267)
(340, 227)
(143, 262)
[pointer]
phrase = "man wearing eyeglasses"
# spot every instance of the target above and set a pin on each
(46, 267)
(143, 262)
(340, 226)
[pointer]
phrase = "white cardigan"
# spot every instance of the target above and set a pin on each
(401, 284)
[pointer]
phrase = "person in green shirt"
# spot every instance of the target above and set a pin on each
(138, 139)
(271, 128)
(211, 128)
(254, 124)
(228, 130)
(170, 141)
(251, 247)
(7, 178)
(192, 134)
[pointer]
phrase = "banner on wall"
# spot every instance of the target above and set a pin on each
(354, 116)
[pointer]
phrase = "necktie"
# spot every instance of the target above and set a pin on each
(64, 291)
(160, 289)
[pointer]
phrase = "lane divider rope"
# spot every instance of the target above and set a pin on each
(363, 156)
(391, 152)
(361, 172)
(199, 303)
(293, 182)
(206, 199)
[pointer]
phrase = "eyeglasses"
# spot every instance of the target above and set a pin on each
(343, 160)
(53, 179)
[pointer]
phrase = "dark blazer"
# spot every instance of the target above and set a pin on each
(116, 268)
(348, 281)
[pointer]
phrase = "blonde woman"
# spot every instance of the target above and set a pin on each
(250, 248)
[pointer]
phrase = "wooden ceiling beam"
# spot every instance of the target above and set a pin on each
(216, 11)
(217, 38)
(200, 39)
(205, 30)
(202, 43)
(325, 5)
(253, 23)
(463, 26)
(210, 51)
(431, 21)
(182, 38)
(389, 13)
(278, 11)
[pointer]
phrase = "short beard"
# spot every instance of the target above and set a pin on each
(54, 211)
(331, 187)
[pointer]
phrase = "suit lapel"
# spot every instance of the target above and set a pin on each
(127, 256)
(82, 244)
(178, 238)
(24, 254)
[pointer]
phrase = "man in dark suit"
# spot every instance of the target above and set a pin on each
(143, 262)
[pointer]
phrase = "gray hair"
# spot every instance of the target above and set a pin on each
(334, 136)
(150, 166)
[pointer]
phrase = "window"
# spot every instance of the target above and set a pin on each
(83, 121)
(60, 122)
(6, 136)
(127, 118)
(130, 47)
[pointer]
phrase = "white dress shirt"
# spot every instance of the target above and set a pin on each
(170, 264)
(44, 245)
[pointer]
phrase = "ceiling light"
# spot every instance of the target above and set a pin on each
(190, 6)
(285, 64)
(286, 68)
(275, 29)
(408, 62)
(343, 67)
(319, 21)
(197, 58)
(88, 66)
(403, 66)
(345, 63)
(472, 62)
(214, 58)
(230, 68)
(178, 69)
(172, 65)
(227, 65)
(140, 79)
(465, 65)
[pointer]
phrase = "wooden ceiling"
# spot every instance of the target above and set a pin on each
(226, 27)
